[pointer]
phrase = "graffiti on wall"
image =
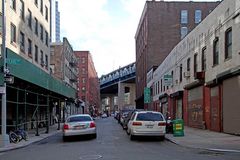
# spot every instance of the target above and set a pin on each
(195, 111)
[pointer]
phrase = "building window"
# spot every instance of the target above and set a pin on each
(13, 33)
(184, 32)
(42, 60)
(41, 33)
(0, 23)
(29, 48)
(36, 26)
(180, 73)
(22, 10)
(184, 16)
(13, 4)
(46, 13)
(83, 80)
(36, 2)
(41, 6)
(83, 89)
(161, 86)
(216, 51)
(228, 43)
(198, 16)
(83, 70)
(46, 61)
(188, 64)
(22, 42)
(204, 60)
(29, 19)
(83, 60)
(36, 53)
(195, 64)
(46, 40)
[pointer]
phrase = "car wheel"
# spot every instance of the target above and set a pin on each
(127, 130)
(162, 138)
(94, 136)
(64, 138)
(132, 137)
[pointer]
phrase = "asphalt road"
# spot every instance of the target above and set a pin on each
(112, 143)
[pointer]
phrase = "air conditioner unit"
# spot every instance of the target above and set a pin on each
(186, 74)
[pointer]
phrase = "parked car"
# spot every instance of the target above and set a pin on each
(77, 125)
(147, 123)
(127, 118)
(123, 117)
(104, 115)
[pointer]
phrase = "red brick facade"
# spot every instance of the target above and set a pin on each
(158, 32)
(88, 84)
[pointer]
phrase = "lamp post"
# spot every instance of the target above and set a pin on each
(5, 140)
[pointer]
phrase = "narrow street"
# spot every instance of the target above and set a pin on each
(112, 143)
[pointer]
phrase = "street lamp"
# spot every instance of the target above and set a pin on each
(5, 140)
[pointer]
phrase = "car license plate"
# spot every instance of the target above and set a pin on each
(149, 126)
(79, 127)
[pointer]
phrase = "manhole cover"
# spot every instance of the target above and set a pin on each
(90, 157)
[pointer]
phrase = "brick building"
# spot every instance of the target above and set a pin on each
(161, 27)
(205, 74)
(63, 66)
(88, 86)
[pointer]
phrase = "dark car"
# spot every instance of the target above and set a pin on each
(127, 118)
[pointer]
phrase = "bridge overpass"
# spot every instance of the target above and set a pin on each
(117, 89)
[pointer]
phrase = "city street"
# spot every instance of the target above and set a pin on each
(112, 143)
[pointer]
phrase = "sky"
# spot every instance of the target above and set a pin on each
(106, 28)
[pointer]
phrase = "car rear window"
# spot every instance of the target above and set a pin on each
(149, 117)
(79, 119)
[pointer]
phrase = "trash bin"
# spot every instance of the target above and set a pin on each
(178, 128)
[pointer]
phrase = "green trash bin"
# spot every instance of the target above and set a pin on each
(178, 128)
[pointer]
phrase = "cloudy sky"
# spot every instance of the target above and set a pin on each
(106, 28)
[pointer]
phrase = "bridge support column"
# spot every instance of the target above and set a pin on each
(126, 95)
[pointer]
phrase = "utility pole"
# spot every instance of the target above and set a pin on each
(5, 140)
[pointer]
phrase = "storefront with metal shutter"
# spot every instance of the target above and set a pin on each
(231, 105)
(195, 108)
(215, 116)
(177, 101)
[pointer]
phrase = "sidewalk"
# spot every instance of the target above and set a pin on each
(205, 139)
(32, 138)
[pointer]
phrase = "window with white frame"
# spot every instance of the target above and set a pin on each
(36, 53)
(22, 10)
(29, 47)
(184, 16)
(13, 4)
(29, 19)
(22, 42)
(198, 16)
(228, 43)
(13, 33)
(184, 32)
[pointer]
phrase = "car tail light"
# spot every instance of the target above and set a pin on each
(161, 124)
(137, 123)
(92, 125)
(65, 127)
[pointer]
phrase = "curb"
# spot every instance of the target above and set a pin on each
(209, 149)
(25, 145)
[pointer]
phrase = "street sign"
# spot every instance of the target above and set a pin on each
(167, 79)
(147, 95)
(13, 61)
(9, 79)
(2, 90)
